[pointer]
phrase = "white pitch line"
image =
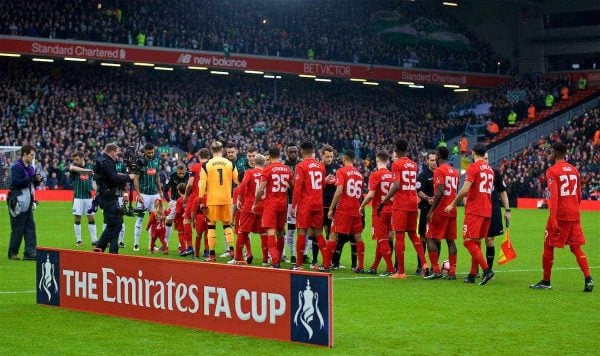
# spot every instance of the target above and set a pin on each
(501, 271)
(19, 292)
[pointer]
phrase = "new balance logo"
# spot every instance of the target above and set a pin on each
(184, 58)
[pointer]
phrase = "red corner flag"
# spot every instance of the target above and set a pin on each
(507, 253)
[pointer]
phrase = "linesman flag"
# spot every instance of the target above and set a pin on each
(507, 252)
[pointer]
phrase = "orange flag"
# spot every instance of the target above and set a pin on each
(507, 253)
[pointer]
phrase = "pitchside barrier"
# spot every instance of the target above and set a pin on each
(293, 306)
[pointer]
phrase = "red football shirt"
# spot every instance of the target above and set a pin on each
(195, 172)
(352, 181)
(247, 190)
(405, 172)
(380, 182)
(447, 177)
(479, 197)
(278, 177)
(565, 191)
(308, 185)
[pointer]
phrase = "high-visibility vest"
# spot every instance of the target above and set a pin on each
(582, 83)
(141, 39)
(549, 100)
(512, 118)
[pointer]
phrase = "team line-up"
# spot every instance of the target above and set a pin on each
(314, 196)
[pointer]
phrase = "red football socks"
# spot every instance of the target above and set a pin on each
(187, 234)
(264, 246)
(273, 250)
(280, 247)
(434, 259)
(377, 256)
(547, 261)
(328, 253)
(476, 255)
(581, 260)
(416, 241)
(360, 253)
(248, 245)
(452, 259)
(197, 244)
(239, 245)
(400, 252)
(386, 253)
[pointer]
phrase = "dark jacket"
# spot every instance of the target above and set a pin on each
(108, 180)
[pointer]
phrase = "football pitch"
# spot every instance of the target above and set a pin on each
(372, 315)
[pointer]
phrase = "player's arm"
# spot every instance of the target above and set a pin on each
(235, 176)
(167, 188)
(150, 221)
(159, 185)
(366, 201)
(393, 189)
(553, 201)
(188, 187)
(242, 189)
(136, 187)
(298, 184)
(202, 182)
(578, 189)
(233, 211)
(336, 198)
(438, 192)
(460, 196)
(74, 168)
(260, 190)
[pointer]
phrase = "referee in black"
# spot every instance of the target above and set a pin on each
(425, 193)
(499, 195)
(109, 184)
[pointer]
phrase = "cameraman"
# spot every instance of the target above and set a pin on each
(109, 184)
(21, 204)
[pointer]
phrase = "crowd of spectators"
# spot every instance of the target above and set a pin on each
(59, 110)
(338, 30)
(525, 173)
(494, 106)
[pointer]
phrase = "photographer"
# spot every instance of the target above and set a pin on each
(21, 204)
(109, 184)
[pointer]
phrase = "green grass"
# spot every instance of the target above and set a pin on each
(372, 315)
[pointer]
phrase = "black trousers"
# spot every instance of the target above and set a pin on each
(22, 226)
(113, 218)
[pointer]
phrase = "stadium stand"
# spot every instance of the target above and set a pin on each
(525, 173)
(408, 34)
(59, 109)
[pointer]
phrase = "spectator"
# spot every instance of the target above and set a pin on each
(564, 93)
(549, 100)
(512, 118)
(531, 112)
